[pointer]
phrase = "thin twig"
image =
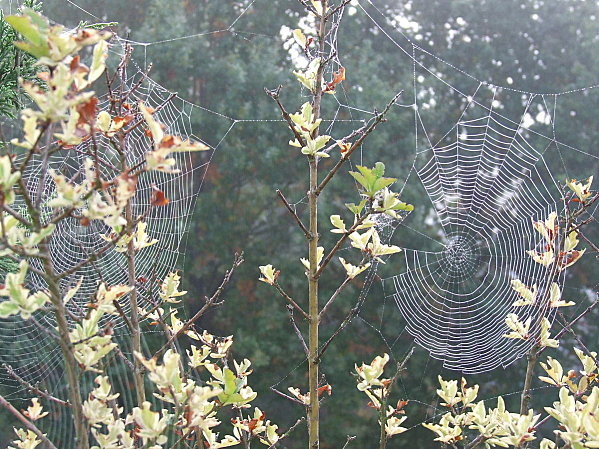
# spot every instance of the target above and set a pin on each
(11, 372)
(341, 241)
(350, 316)
(122, 356)
(308, 6)
(286, 396)
(334, 296)
(289, 431)
(371, 126)
(209, 302)
(567, 328)
(274, 94)
(474, 443)
(339, 7)
(578, 340)
(17, 215)
(290, 300)
(350, 438)
(296, 329)
(28, 424)
(293, 214)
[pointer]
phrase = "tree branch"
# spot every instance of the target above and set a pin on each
(274, 94)
(11, 372)
(290, 300)
(28, 424)
(334, 296)
(296, 329)
(289, 431)
(209, 302)
(367, 129)
(293, 214)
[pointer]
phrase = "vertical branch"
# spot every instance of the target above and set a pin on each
(134, 318)
(532, 358)
(138, 378)
(70, 363)
(313, 307)
(313, 311)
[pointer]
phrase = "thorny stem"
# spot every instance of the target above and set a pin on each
(28, 424)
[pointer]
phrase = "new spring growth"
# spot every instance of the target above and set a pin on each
(582, 191)
(377, 390)
(549, 230)
(495, 426)
(576, 409)
(305, 124)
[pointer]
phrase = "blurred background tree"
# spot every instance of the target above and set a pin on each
(220, 56)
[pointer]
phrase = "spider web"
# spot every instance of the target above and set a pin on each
(26, 348)
(483, 181)
(487, 178)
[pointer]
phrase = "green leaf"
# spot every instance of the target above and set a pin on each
(230, 382)
(371, 179)
(379, 169)
(38, 51)
(8, 308)
(32, 28)
(356, 209)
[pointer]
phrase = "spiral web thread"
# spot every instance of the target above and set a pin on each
(25, 348)
(487, 178)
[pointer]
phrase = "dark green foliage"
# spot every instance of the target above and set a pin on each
(14, 64)
(238, 209)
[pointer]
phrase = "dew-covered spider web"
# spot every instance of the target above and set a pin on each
(496, 164)
(487, 178)
(29, 352)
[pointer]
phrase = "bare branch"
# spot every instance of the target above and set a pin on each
(209, 302)
(286, 396)
(350, 438)
(11, 372)
(368, 128)
(290, 300)
(338, 8)
(296, 329)
(334, 296)
(28, 424)
(474, 443)
(293, 214)
(567, 328)
(289, 431)
(274, 94)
